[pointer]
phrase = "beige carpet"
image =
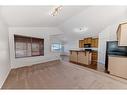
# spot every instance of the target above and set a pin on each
(61, 75)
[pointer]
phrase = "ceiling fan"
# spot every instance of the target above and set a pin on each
(56, 10)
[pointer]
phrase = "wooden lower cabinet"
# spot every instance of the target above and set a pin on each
(81, 57)
(73, 56)
(94, 57)
(84, 58)
(117, 65)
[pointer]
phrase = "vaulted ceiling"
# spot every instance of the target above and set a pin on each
(94, 18)
(38, 16)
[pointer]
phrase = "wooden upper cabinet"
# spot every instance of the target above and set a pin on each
(81, 43)
(90, 40)
(85, 41)
(122, 34)
(95, 42)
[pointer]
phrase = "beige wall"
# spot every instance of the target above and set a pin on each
(34, 32)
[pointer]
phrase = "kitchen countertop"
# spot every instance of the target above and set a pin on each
(84, 50)
(117, 56)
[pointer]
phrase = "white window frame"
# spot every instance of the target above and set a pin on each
(56, 50)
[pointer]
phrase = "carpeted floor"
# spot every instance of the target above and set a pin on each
(61, 75)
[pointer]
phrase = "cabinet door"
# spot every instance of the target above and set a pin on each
(94, 56)
(117, 66)
(73, 56)
(85, 41)
(93, 42)
(118, 33)
(96, 42)
(81, 43)
(83, 58)
(122, 34)
(89, 40)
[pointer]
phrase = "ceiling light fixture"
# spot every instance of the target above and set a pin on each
(81, 29)
(56, 10)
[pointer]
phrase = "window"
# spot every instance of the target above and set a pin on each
(28, 46)
(56, 47)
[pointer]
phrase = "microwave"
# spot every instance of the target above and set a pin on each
(87, 45)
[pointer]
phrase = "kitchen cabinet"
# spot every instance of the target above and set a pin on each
(81, 43)
(117, 65)
(95, 42)
(94, 57)
(90, 40)
(84, 57)
(73, 56)
(85, 41)
(122, 34)
(80, 57)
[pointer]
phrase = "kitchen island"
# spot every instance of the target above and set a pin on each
(80, 56)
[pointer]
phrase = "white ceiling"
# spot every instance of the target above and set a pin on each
(37, 16)
(95, 18)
